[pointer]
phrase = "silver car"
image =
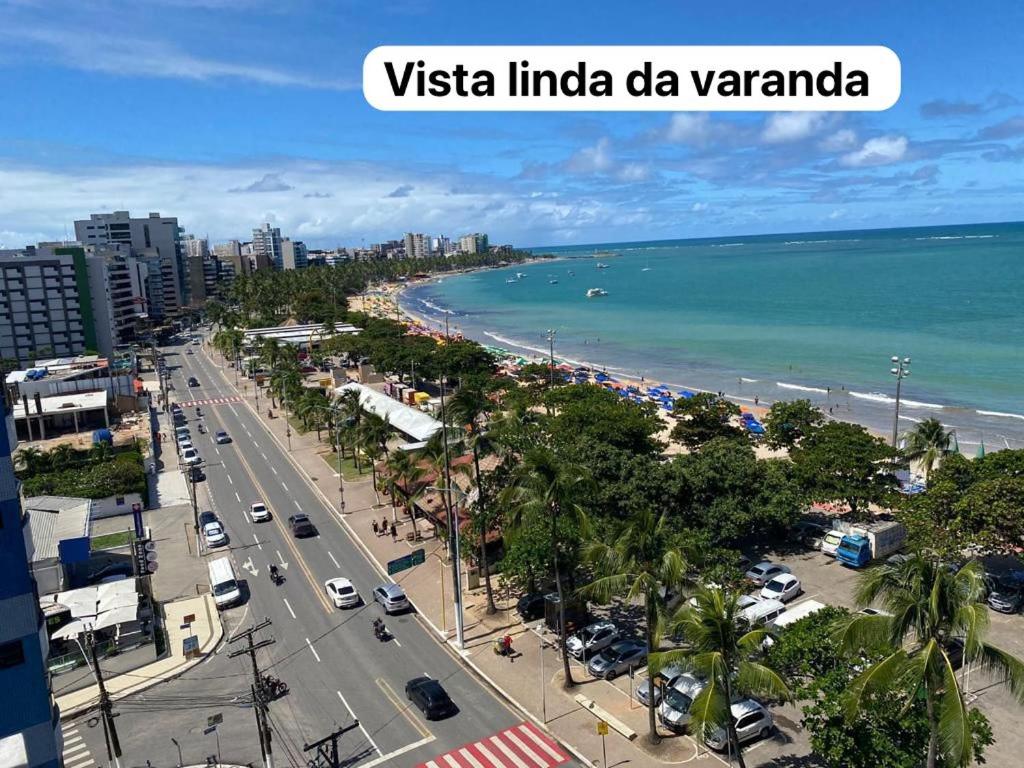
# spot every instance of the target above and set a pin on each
(652, 687)
(764, 572)
(674, 712)
(617, 658)
(752, 721)
(592, 638)
(391, 597)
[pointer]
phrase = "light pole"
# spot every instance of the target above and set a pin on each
(900, 369)
(453, 533)
(551, 365)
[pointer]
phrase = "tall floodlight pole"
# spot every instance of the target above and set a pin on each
(453, 518)
(900, 369)
(551, 364)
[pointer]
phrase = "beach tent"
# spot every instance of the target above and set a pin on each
(686, 393)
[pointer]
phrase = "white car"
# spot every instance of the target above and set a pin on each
(184, 443)
(592, 638)
(830, 542)
(751, 720)
(783, 587)
(258, 512)
(190, 456)
(342, 593)
(214, 535)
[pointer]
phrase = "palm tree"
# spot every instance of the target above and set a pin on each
(63, 456)
(930, 606)
(545, 487)
(722, 650)
(927, 443)
(32, 460)
(352, 414)
(374, 432)
(468, 407)
(642, 564)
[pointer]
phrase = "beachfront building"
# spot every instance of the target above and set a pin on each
(474, 243)
(266, 247)
(117, 290)
(30, 732)
(231, 253)
(293, 254)
(417, 246)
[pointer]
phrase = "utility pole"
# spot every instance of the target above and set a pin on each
(900, 369)
(109, 728)
(258, 694)
(551, 364)
(329, 756)
(453, 518)
(336, 426)
(192, 470)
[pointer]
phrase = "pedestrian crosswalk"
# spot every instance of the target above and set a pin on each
(211, 401)
(522, 746)
(76, 753)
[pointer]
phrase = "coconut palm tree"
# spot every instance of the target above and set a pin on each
(641, 564)
(351, 415)
(545, 487)
(63, 456)
(373, 435)
(927, 443)
(32, 460)
(930, 606)
(721, 649)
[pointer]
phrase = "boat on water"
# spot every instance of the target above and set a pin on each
(602, 265)
(520, 275)
(512, 280)
(571, 273)
(552, 282)
(592, 292)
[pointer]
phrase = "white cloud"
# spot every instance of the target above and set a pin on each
(841, 141)
(595, 159)
(782, 127)
(690, 128)
(270, 182)
(882, 150)
(699, 207)
(634, 172)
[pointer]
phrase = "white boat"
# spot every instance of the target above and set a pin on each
(512, 280)
(552, 282)
(520, 275)
(592, 292)
(602, 265)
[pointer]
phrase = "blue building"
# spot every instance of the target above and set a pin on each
(29, 719)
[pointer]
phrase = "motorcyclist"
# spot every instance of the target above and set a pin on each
(378, 627)
(199, 411)
(274, 576)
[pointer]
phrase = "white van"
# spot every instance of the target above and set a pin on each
(223, 584)
(763, 614)
(793, 615)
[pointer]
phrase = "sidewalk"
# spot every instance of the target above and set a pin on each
(205, 627)
(532, 686)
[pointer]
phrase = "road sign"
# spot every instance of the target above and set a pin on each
(416, 557)
(602, 728)
(214, 720)
(208, 731)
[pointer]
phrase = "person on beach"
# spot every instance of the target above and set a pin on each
(756, 399)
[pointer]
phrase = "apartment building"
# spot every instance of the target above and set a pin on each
(117, 290)
(266, 247)
(474, 243)
(231, 253)
(294, 254)
(30, 732)
(417, 246)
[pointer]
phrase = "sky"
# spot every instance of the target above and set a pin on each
(229, 113)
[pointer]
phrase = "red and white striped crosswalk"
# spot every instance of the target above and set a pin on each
(211, 401)
(522, 746)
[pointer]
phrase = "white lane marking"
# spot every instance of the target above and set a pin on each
(264, 457)
(239, 498)
(83, 764)
(470, 758)
(274, 470)
(527, 733)
(246, 431)
(256, 444)
(289, 607)
(72, 740)
(508, 752)
(230, 480)
(297, 505)
(315, 654)
(258, 542)
(452, 762)
(76, 748)
(511, 736)
(396, 641)
(333, 560)
(361, 728)
(398, 752)
(217, 450)
(285, 488)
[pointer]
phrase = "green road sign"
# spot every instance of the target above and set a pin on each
(404, 563)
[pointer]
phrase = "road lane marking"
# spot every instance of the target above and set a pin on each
(230, 480)
(264, 457)
(402, 708)
(332, 559)
(239, 498)
(289, 607)
(285, 488)
(297, 505)
(395, 639)
(274, 470)
(217, 450)
(315, 654)
(258, 542)
(255, 443)
(396, 753)
(363, 729)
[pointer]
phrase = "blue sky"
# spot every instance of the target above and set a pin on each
(227, 113)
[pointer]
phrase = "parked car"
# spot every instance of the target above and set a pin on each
(830, 542)
(221, 437)
(652, 686)
(342, 593)
(205, 518)
(531, 606)
(185, 443)
(809, 533)
(751, 719)
(258, 512)
(214, 535)
(430, 698)
(193, 381)
(783, 587)
(765, 571)
(619, 657)
(674, 712)
(190, 456)
(592, 638)
(391, 597)
(1006, 595)
(301, 526)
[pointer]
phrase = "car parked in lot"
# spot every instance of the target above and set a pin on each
(783, 587)
(342, 593)
(653, 685)
(1006, 595)
(674, 712)
(206, 517)
(220, 437)
(591, 639)
(621, 656)
(258, 512)
(301, 526)
(531, 606)
(830, 542)
(430, 698)
(391, 598)
(190, 456)
(214, 535)
(765, 571)
(809, 533)
(751, 719)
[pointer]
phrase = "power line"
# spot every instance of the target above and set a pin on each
(258, 692)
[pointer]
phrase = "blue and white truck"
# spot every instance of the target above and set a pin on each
(865, 543)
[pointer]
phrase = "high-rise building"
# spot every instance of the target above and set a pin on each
(293, 254)
(117, 289)
(474, 243)
(30, 732)
(266, 247)
(417, 246)
(196, 281)
(195, 246)
(231, 253)
(158, 239)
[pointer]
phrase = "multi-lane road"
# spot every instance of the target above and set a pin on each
(339, 675)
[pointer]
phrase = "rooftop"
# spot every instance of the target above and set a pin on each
(78, 401)
(53, 519)
(406, 419)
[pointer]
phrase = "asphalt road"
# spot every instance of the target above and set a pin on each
(337, 671)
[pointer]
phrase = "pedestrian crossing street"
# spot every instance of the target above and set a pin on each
(76, 753)
(211, 401)
(522, 746)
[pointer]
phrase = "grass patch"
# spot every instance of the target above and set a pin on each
(111, 540)
(347, 466)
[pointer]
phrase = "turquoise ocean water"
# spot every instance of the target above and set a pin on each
(775, 317)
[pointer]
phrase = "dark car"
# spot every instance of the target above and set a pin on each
(619, 657)
(430, 697)
(531, 606)
(1006, 593)
(221, 437)
(206, 517)
(193, 381)
(301, 526)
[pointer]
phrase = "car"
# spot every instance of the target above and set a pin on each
(621, 656)
(743, 601)
(674, 711)
(391, 598)
(430, 698)
(830, 542)
(189, 352)
(258, 512)
(592, 638)
(301, 526)
(184, 443)
(809, 533)
(190, 456)
(342, 593)
(221, 437)
(206, 517)
(196, 474)
(214, 535)
(783, 587)
(531, 606)
(193, 381)
(765, 571)
(751, 719)
(195, 342)
(1005, 596)
(652, 686)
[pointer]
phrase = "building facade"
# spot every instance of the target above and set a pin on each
(266, 247)
(231, 253)
(117, 288)
(30, 732)
(293, 254)
(474, 243)
(417, 246)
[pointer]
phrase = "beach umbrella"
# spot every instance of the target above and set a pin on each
(686, 393)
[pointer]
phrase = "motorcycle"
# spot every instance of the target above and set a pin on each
(273, 688)
(199, 411)
(379, 630)
(276, 577)
(202, 429)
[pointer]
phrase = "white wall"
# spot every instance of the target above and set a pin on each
(109, 507)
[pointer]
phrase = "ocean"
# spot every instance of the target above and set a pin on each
(815, 315)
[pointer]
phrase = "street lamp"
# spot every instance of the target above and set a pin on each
(453, 533)
(900, 369)
(551, 348)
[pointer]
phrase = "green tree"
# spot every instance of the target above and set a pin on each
(789, 421)
(641, 564)
(927, 443)
(603, 416)
(32, 461)
(374, 433)
(720, 649)
(930, 606)
(704, 417)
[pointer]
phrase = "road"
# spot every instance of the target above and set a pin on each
(338, 673)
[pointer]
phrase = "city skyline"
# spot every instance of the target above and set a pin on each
(317, 161)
